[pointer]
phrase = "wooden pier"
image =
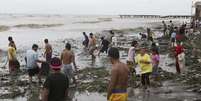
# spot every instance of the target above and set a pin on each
(157, 16)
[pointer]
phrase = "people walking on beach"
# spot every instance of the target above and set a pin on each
(155, 63)
(104, 46)
(164, 28)
(117, 89)
(11, 41)
(86, 40)
(92, 45)
(67, 58)
(173, 38)
(56, 84)
(13, 63)
(32, 59)
(180, 57)
(144, 61)
(48, 51)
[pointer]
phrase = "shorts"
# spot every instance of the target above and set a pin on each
(92, 49)
(173, 40)
(33, 71)
(119, 95)
(68, 71)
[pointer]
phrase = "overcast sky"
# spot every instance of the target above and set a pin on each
(162, 7)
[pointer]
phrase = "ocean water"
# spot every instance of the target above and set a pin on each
(72, 28)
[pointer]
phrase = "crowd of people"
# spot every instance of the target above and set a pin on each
(55, 87)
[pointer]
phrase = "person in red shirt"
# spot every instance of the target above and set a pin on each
(178, 50)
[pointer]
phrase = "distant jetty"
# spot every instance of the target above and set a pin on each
(157, 16)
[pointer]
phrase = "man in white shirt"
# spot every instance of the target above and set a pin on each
(131, 56)
(31, 63)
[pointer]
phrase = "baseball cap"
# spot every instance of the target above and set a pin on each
(55, 63)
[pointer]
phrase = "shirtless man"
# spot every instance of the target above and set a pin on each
(67, 58)
(92, 45)
(48, 51)
(117, 90)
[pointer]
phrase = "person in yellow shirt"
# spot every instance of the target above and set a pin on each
(12, 57)
(143, 59)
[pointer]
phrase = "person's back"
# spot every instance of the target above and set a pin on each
(67, 56)
(57, 84)
(105, 43)
(122, 76)
(117, 89)
(173, 35)
(31, 57)
(92, 41)
(11, 53)
(145, 67)
(48, 48)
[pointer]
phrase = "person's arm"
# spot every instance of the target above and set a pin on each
(73, 60)
(37, 59)
(112, 83)
(15, 46)
(45, 94)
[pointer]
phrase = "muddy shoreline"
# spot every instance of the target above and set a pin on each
(95, 80)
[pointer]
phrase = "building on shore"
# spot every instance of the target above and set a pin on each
(196, 10)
